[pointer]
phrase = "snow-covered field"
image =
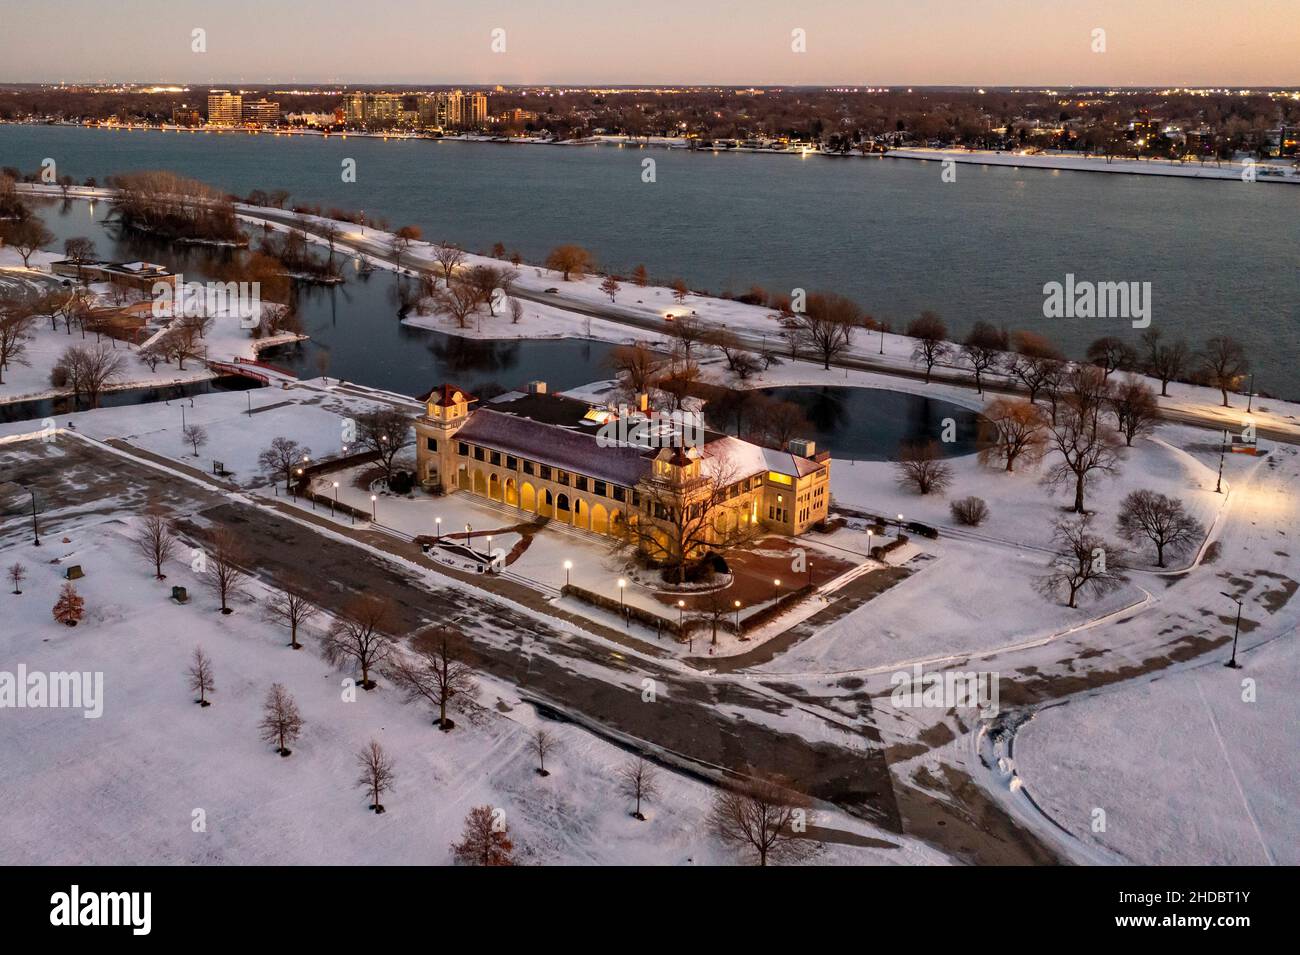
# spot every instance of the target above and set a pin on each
(126, 788)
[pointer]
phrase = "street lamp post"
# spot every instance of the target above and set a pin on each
(869, 543)
(776, 589)
(737, 603)
(489, 553)
(568, 566)
(621, 603)
(36, 530)
(1250, 397)
(437, 529)
(335, 506)
(374, 508)
(1223, 447)
(1232, 663)
(900, 526)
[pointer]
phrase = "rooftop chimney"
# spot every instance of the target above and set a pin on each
(803, 447)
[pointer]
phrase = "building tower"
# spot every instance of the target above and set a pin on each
(446, 409)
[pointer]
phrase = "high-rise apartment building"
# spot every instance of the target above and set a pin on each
(224, 108)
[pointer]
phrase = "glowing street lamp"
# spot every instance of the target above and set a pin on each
(568, 566)
(437, 528)
(489, 553)
(621, 585)
(334, 507)
(737, 618)
(681, 613)
(374, 508)
(900, 526)
(869, 533)
(776, 589)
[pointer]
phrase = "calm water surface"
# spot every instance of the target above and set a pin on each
(1221, 256)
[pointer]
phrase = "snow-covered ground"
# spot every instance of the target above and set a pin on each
(1197, 764)
(226, 341)
(125, 788)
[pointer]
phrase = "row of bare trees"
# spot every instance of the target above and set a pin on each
(1040, 368)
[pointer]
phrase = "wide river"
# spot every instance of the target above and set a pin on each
(1221, 257)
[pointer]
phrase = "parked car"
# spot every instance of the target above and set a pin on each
(552, 291)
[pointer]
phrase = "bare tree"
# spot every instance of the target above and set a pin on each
(1035, 362)
(460, 299)
(1017, 431)
(361, 635)
(678, 522)
(572, 261)
(638, 364)
(1223, 363)
(281, 722)
(15, 335)
(91, 369)
(200, 674)
(386, 432)
(402, 240)
(378, 773)
(291, 607)
(282, 457)
(764, 816)
(1161, 520)
(921, 468)
(449, 257)
(1085, 445)
(27, 236)
(638, 780)
(79, 250)
(1164, 362)
(489, 280)
(17, 574)
(224, 557)
(196, 436)
(932, 345)
(437, 674)
(982, 350)
(1084, 562)
(156, 542)
(610, 287)
(485, 839)
(544, 743)
(516, 310)
(1111, 354)
(1136, 411)
(827, 325)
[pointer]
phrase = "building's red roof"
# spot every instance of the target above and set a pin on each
(446, 395)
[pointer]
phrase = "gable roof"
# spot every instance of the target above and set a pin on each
(445, 394)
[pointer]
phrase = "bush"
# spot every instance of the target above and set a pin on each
(970, 511)
(401, 482)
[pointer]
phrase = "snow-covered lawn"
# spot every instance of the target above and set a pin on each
(227, 341)
(126, 788)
